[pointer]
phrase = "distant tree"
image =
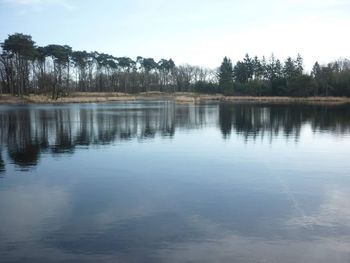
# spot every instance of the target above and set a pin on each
(258, 70)
(18, 51)
(247, 69)
(317, 75)
(80, 60)
(249, 66)
(61, 61)
(226, 76)
(126, 64)
(264, 68)
(273, 69)
(40, 58)
(299, 65)
(165, 68)
(184, 77)
(103, 62)
(289, 69)
(147, 65)
(278, 69)
(240, 72)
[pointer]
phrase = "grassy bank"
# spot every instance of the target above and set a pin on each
(185, 97)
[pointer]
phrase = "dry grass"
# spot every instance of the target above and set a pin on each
(73, 98)
(183, 97)
(8, 99)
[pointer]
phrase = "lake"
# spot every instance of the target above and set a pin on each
(154, 181)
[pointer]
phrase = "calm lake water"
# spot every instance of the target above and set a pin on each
(159, 182)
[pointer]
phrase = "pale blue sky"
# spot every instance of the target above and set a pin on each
(198, 32)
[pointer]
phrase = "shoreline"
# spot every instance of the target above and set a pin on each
(179, 97)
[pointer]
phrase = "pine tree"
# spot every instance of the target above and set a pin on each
(226, 76)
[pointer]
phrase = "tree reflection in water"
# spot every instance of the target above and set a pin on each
(26, 132)
(252, 120)
(2, 163)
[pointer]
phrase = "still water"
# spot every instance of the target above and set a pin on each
(160, 182)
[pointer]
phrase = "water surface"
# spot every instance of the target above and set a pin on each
(159, 182)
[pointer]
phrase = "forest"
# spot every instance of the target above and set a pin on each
(57, 70)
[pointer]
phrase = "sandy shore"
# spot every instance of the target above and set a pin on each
(90, 97)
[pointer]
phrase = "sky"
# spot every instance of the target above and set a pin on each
(198, 32)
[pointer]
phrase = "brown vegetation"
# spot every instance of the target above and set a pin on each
(181, 97)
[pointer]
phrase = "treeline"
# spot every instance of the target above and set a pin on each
(57, 70)
(259, 77)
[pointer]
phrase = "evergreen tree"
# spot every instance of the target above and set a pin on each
(249, 66)
(240, 72)
(289, 69)
(299, 65)
(258, 70)
(226, 76)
